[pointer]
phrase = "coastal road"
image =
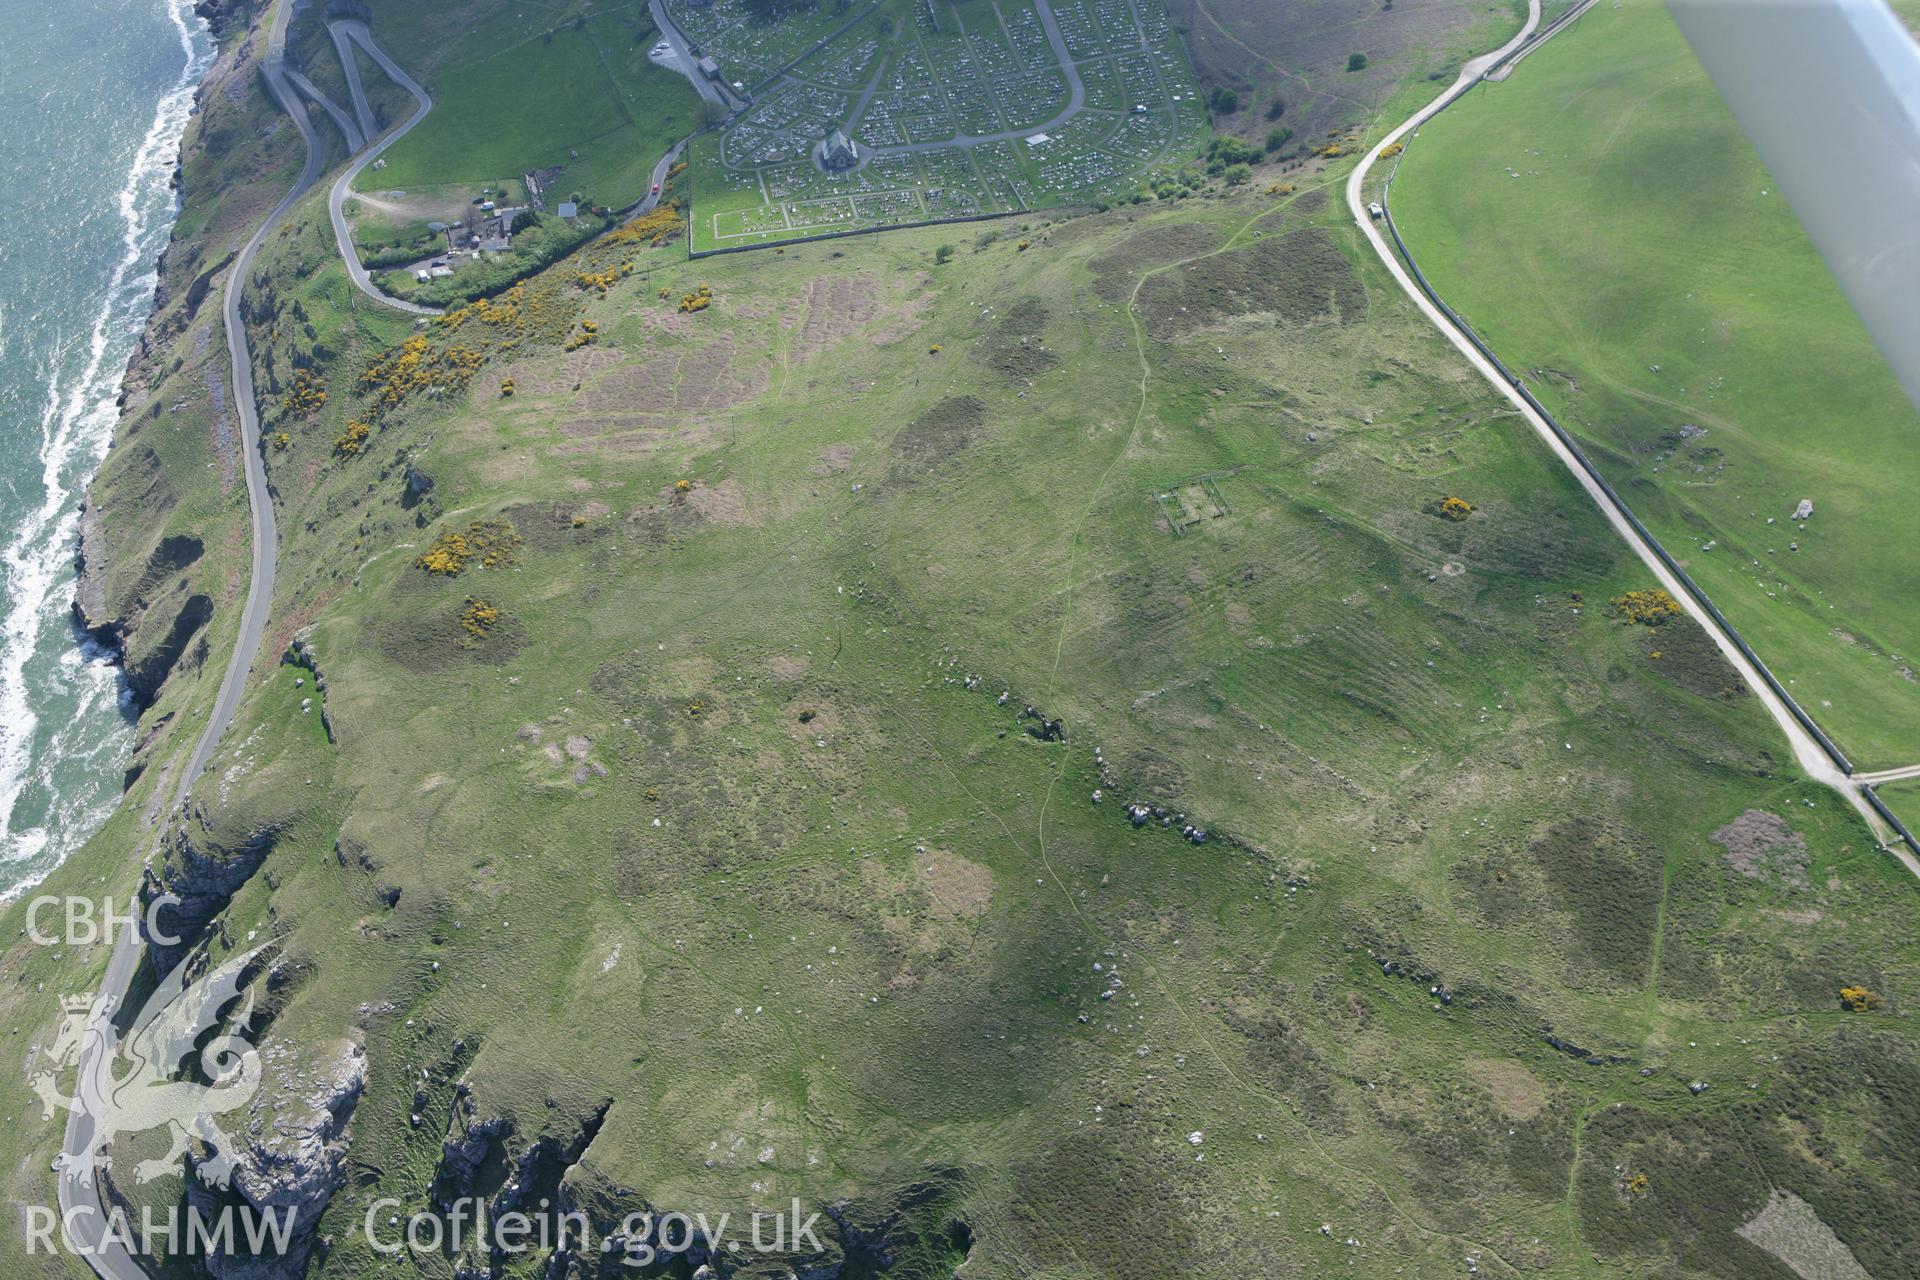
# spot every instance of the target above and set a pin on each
(78, 1183)
(348, 129)
(1807, 751)
(346, 33)
(350, 67)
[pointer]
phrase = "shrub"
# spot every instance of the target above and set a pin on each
(353, 439)
(1223, 152)
(1224, 101)
(1237, 174)
(1651, 607)
(492, 542)
(506, 387)
(1456, 508)
(307, 393)
(943, 254)
(1858, 999)
(1356, 62)
(478, 616)
(1391, 150)
(1276, 108)
(1278, 138)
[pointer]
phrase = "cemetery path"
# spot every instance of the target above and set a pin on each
(1076, 100)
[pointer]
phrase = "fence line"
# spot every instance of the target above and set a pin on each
(1579, 455)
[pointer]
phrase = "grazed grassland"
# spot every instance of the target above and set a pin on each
(772, 563)
(1603, 223)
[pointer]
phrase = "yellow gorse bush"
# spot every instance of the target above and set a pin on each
(1650, 607)
(478, 616)
(306, 394)
(491, 542)
(353, 439)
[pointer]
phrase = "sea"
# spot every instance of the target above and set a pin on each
(94, 97)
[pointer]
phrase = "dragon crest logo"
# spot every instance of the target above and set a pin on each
(135, 1083)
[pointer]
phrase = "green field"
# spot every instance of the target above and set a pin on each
(1599, 215)
(1904, 799)
(511, 95)
(753, 821)
(1453, 806)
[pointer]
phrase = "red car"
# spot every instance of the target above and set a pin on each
(656, 188)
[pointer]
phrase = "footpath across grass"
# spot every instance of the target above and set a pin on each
(1604, 224)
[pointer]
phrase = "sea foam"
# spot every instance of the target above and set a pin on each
(42, 659)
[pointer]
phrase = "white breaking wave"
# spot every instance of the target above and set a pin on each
(76, 429)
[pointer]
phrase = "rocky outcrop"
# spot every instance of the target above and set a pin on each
(419, 485)
(90, 581)
(302, 654)
(479, 1160)
(203, 874)
(149, 664)
(470, 1146)
(221, 16)
(919, 1219)
(128, 625)
(291, 1157)
(203, 283)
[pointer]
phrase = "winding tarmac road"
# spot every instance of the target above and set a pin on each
(1810, 753)
(348, 129)
(85, 1225)
(347, 33)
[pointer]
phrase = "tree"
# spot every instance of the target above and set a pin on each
(1224, 101)
(943, 254)
(1356, 62)
(1237, 174)
(1276, 108)
(1278, 138)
